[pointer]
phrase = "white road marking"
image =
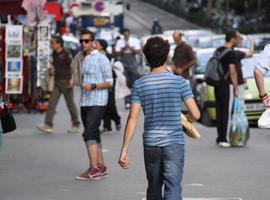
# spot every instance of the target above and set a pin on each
(105, 150)
(220, 198)
(194, 185)
(140, 193)
(199, 198)
(217, 198)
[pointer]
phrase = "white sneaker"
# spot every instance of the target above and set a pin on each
(74, 129)
(127, 106)
(224, 144)
(44, 128)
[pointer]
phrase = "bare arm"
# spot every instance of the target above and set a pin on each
(233, 75)
(251, 49)
(260, 85)
(129, 132)
(189, 64)
(135, 51)
(104, 85)
(181, 70)
(194, 112)
(259, 81)
(121, 52)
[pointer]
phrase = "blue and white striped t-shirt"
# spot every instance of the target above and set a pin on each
(96, 69)
(160, 95)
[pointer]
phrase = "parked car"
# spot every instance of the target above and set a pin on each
(215, 41)
(191, 35)
(204, 94)
(261, 39)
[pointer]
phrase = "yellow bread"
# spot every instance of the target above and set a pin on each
(189, 129)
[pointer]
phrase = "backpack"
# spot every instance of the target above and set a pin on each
(214, 73)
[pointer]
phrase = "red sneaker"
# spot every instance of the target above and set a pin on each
(103, 170)
(94, 174)
(84, 176)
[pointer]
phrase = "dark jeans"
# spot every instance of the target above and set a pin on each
(91, 119)
(164, 165)
(60, 87)
(224, 100)
(111, 111)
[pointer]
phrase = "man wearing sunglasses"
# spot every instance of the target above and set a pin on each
(77, 62)
(92, 71)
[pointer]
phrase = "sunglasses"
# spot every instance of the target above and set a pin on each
(85, 41)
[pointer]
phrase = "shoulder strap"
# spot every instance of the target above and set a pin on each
(219, 55)
(223, 53)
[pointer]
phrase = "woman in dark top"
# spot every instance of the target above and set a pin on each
(111, 112)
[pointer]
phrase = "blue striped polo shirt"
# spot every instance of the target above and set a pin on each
(161, 95)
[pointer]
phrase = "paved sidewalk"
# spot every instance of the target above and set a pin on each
(144, 13)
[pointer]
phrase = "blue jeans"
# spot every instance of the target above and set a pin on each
(164, 165)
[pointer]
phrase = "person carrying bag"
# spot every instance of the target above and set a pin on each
(239, 129)
(7, 120)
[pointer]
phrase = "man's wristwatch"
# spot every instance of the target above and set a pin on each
(93, 86)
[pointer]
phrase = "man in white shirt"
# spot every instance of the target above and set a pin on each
(127, 48)
(261, 68)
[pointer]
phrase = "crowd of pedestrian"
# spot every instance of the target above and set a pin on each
(160, 94)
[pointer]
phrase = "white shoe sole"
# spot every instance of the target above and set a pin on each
(44, 130)
(224, 145)
(87, 179)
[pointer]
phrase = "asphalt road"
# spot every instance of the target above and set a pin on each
(34, 166)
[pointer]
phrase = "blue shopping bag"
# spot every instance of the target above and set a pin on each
(239, 129)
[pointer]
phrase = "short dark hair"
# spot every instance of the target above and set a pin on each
(230, 34)
(125, 30)
(88, 32)
(156, 51)
(103, 43)
(58, 39)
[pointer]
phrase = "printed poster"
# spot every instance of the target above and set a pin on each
(43, 51)
(14, 59)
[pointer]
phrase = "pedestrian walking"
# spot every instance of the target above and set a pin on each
(160, 94)
(183, 57)
(261, 68)
(96, 79)
(128, 48)
(226, 92)
(61, 70)
(156, 27)
(111, 112)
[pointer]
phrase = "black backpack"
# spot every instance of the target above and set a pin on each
(214, 73)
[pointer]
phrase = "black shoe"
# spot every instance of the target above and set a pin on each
(106, 130)
(118, 126)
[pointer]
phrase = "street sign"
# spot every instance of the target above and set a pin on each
(99, 6)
